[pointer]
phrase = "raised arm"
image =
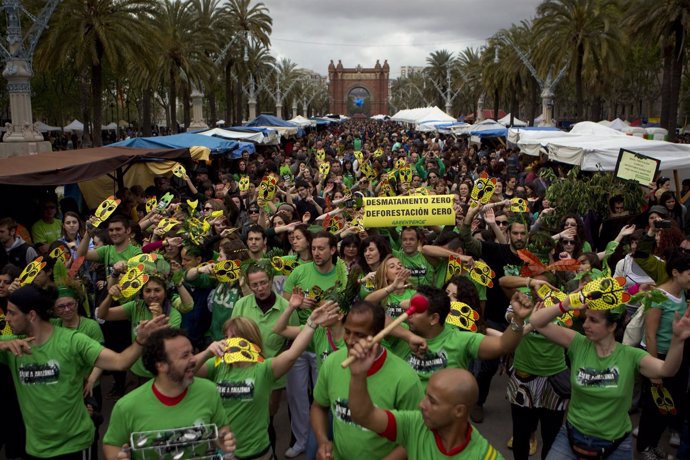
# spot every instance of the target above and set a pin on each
(111, 361)
(542, 321)
(654, 368)
(363, 411)
(282, 327)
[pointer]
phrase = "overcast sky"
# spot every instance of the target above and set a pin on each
(312, 32)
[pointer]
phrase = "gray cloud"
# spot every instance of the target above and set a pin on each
(404, 32)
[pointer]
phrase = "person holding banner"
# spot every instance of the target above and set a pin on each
(603, 375)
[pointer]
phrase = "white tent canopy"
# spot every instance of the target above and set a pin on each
(422, 115)
(76, 125)
(505, 121)
(268, 137)
(595, 148)
(109, 127)
(44, 128)
(303, 122)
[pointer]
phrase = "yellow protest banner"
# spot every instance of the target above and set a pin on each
(416, 210)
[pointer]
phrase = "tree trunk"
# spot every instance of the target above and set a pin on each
(96, 101)
(146, 112)
(579, 102)
(84, 103)
(676, 77)
(239, 112)
(186, 103)
(173, 128)
(213, 110)
(228, 92)
(496, 103)
(666, 84)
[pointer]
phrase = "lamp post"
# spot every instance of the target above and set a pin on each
(547, 85)
(22, 137)
(245, 57)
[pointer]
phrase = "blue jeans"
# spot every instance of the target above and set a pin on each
(560, 450)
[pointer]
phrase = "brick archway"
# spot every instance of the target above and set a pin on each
(342, 81)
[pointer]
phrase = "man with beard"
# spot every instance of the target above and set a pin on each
(497, 256)
(172, 399)
(49, 368)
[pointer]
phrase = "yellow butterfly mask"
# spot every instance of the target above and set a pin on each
(31, 271)
(482, 273)
(151, 203)
(267, 188)
(284, 265)
(179, 170)
(133, 281)
(320, 155)
(405, 173)
(324, 169)
(105, 209)
(601, 294)
(244, 183)
(483, 189)
(462, 316)
(239, 350)
(167, 223)
(227, 271)
(518, 205)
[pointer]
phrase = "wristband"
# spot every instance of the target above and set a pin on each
(136, 340)
(562, 308)
(311, 323)
(529, 281)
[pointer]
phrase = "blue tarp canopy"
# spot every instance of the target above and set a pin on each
(285, 128)
(218, 146)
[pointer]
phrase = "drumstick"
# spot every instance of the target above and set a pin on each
(418, 304)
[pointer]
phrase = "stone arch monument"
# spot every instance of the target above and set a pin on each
(358, 91)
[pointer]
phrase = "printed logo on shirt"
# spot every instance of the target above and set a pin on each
(324, 354)
(605, 378)
(39, 373)
(224, 298)
(342, 411)
(394, 310)
(431, 362)
(417, 272)
(236, 390)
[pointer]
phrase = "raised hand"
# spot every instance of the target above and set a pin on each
(522, 305)
(365, 352)
(297, 298)
(681, 325)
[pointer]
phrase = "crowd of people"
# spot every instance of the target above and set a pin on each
(220, 291)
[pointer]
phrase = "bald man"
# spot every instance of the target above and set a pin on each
(440, 430)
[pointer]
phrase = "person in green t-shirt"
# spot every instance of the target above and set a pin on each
(449, 347)
(602, 377)
(421, 270)
(114, 256)
(172, 400)
(394, 386)
(440, 430)
(153, 303)
(325, 271)
(49, 367)
(246, 388)
(47, 229)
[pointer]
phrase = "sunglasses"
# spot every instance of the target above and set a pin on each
(568, 241)
(208, 208)
(502, 223)
(684, 250)
(253, 211)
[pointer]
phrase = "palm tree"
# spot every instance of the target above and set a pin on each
(668, 23)
(470, 67)
(585, 32)
(92, 34)
(180, 42)
(251, 23)
(439, 63)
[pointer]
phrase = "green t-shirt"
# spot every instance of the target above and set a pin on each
(602, 388)
(393, 386)
(537, 355)
(221, 303)
(137, 311)
(141, 410)
(422, 272)
(42, 232)
(324, 343)
(421, 443)
(313, 282)
(109, 255)
(451, 348)
(393, 309)
(669, 308)
(272, 343)
(49, 384)
(86, 326)
(442, 277)
(246, 393)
